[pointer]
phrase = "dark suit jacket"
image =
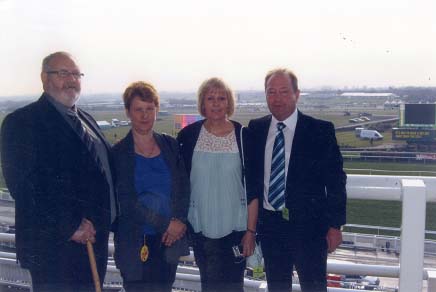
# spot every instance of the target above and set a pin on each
(55, 183)
(315, 186)
(129, 234)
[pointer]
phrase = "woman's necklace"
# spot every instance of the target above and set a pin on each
(143, 150)
(219, 130)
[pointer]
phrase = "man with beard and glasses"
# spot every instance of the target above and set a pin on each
(56, 166)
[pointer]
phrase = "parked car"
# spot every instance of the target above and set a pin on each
(115, 123)
(360, 282)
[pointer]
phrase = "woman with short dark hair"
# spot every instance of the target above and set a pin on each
(153, 191)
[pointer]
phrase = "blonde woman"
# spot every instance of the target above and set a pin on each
(218, 216)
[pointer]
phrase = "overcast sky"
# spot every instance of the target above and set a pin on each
(178, 44)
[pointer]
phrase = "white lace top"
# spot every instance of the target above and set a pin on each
(208, 142)
(218, 203)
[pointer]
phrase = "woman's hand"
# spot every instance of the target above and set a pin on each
(248, 242)
(174, 232)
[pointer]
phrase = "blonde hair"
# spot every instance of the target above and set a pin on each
(217, 84)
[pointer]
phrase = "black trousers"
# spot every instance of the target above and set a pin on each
(282, 250)
(69, 271)
(157, 274)
(219, 269)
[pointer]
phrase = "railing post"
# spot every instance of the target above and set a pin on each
(412, 235)
(431, 281)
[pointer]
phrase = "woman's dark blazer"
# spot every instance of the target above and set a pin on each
(188, 137)
(129, 236)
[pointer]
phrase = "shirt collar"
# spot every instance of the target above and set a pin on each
(290, 122)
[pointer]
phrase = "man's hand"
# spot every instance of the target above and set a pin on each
(174, 232)
(248, 243)
(334, 239)
(85, 232)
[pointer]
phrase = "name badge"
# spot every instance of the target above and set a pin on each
(143, 254)
(285, 214)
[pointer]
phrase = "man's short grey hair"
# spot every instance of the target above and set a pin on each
(285, 71)
(46, 61)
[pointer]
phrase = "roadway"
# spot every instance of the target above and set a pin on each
(355, 125)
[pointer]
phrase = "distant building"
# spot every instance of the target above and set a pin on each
(392, 104)
(104, 125)
(163, 114)
(387, 95)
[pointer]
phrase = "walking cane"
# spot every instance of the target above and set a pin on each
(93, 266)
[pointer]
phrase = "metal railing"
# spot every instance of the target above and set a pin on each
(369, 171)
(414, 192)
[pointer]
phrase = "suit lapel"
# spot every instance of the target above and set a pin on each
(263, 137)
(126, 165)
(94, 128)
(162, 146)
(90, 123)
(298, 144)
(55, 123)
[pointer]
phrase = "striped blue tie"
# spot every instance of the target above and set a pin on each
(276, 194)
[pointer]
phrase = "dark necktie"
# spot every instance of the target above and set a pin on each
(276, 194)
(82, 131)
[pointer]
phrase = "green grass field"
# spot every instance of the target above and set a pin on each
(364, 212)
(384, 213)
(349, 139)
(166, 125)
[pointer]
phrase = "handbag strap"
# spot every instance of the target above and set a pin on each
(243, 165)
(258, 252)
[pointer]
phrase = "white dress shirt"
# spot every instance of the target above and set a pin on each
(288, 132)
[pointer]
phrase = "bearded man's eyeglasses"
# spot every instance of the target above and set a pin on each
(66, 73)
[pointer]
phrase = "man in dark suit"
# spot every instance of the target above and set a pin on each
(302, 186)
(56, 165)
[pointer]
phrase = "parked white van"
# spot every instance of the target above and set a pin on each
(357, 131)
(370, 134)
